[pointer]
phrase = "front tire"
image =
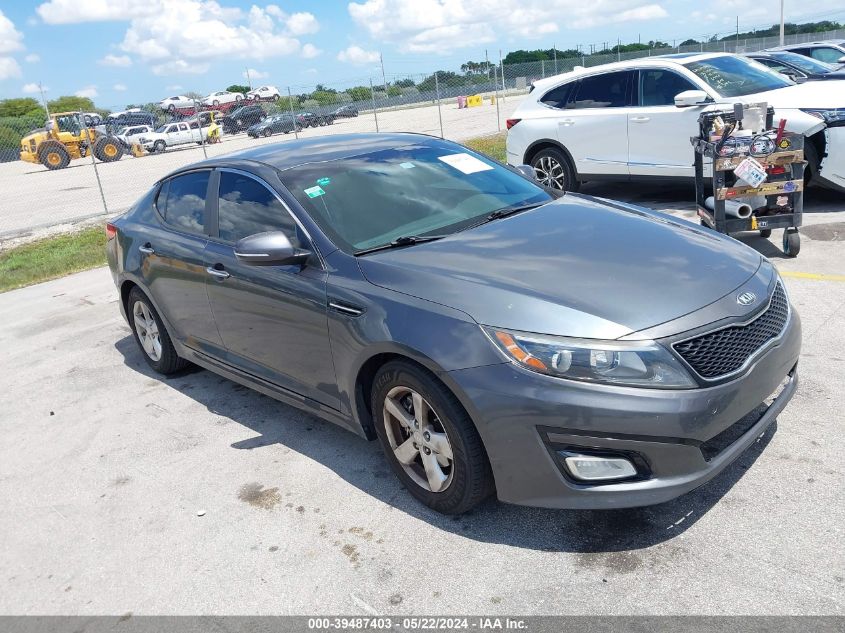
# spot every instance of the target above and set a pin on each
(553, 169)
(151, 335)
(267, 131)
(429, 439)
(159, 147)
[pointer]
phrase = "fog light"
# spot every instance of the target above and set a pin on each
(595, 468)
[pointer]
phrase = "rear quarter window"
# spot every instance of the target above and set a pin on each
(559, 97)
(181, 201)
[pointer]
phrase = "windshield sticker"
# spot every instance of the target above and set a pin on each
(465, 163)
(314, 192)
(407, 165)
(323, 181)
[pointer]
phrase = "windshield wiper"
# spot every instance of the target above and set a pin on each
(404, 240)
(504, 212)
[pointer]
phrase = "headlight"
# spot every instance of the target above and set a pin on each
(829, 116)
(633, 364)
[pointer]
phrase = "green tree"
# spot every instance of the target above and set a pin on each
(21, 107)
(404, 83)
(325, 97)
(394, 91)
(359, 93)
(689, 42)
(237, 88)
(69, 103)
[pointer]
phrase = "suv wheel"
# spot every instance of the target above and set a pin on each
(429, 440)
(159, 146)
(553, 169)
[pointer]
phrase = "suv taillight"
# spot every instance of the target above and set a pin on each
(509, 123)
(111, 231)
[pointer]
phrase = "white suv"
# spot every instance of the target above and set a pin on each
(634, 119)
(269, 93)
(171, 134)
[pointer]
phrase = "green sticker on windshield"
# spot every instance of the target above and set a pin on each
(314, 192)
(323, 181)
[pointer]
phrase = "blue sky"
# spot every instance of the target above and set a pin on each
(122, 51)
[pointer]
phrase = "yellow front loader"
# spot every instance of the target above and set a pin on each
(65, 138)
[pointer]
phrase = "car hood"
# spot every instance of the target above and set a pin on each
(577, 267)
(810, 94)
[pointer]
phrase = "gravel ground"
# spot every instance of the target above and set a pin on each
(126, 492)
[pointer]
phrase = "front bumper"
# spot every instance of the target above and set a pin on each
(679, 439)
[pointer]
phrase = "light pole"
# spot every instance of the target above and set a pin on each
(781, 22)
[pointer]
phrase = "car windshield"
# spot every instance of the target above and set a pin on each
(162, 129)
(370, 200)
(807, 64)
(737, 76)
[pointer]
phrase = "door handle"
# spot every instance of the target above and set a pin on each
(640, 119)
(146, 249)
(220, 274)
(567, 121)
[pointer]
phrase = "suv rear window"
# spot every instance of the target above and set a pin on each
(559, 97)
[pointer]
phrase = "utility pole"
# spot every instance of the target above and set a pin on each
(502, 70)
(736, 46)
(43, 99)
(554, 52)
(781, 22)
(383, 76)
(248, 79)
(487, 60)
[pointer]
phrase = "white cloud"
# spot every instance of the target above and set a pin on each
(76, 11)
(32, 88)
(309, 51)
(358, 56)
(302, 24)
(10, 38)
(252, 73)
(9, 68)
(120, 61)
(32, 58)
(183, 35)
(180, 67)
(119, 87)
(87, 91)
(173, 87)
(437, 26)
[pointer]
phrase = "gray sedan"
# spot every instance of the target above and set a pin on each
(558, 350)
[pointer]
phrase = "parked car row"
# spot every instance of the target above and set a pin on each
(633, 119)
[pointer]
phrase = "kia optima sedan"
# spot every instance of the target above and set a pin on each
(493, 335)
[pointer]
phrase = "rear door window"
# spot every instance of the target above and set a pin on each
(826, 54)
(246, 207)
(607, 90)
(184, 201)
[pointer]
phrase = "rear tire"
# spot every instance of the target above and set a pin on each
(267, 131)
(766, 233)
(151, 335)
(553, 169)
(461, 481)
(108, 149)
(159, 147)
(53, 155)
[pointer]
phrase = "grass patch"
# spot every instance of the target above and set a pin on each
(51, 258)
(492, 146)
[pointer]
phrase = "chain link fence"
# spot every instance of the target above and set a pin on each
(155, 138)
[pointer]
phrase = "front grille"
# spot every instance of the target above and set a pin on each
(725, 351)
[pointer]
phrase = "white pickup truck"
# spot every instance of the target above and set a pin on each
(173, 134)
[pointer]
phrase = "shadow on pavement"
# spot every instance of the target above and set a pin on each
(613, 533)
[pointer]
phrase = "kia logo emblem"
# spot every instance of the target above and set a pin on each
(746, 298)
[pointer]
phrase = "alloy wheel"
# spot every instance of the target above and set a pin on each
(147, 330)
(550, 173)
(418, 439)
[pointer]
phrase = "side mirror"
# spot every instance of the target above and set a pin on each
(841, 60)
(269, 249)
(527, 171)
(690, 98)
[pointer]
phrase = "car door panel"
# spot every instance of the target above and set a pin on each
(272, 319)
(658, 131)
(173, 269)
(594, 129)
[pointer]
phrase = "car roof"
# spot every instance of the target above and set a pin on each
(287, 154)
(674, 59)
(837, 43)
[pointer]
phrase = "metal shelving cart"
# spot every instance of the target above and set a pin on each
(783, 188)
